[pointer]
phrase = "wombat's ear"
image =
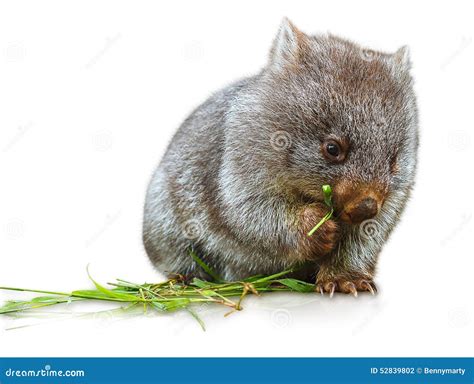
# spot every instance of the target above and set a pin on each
(288, 45)
(402, 58)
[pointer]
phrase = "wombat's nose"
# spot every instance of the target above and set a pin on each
(363, 210)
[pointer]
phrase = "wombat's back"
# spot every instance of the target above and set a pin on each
(182, 199)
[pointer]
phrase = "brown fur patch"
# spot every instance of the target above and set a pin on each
(323, 241)
(348, 194)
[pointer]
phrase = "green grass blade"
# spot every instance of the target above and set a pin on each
(323, 220)
(205, 267)
(113, 294)
(158, 306)
(251, 279)
(197, 318)
(327, 192)
(297, 285)
(46, 299)
(200, 283)
(176, 304)
(33, 291)
(273, 277)
(98, 295)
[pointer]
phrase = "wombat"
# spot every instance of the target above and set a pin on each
(240, 183)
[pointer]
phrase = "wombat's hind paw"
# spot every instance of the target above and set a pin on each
(346, 286)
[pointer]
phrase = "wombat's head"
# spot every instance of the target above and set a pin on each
(338, 114)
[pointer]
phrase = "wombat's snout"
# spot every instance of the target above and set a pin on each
(358, 203)
(361, 210)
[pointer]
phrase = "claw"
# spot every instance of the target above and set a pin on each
(331, 287)
(371, 290)
(374, 287)
(352, 289)
(368, 287)
(321, 290)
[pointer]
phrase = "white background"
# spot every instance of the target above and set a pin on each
(90, 94)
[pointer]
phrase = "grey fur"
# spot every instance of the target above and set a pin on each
(244, 163)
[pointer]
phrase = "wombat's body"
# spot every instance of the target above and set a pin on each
(241, 180)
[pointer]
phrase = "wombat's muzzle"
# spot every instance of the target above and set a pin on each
(354, 205)
(361, 210)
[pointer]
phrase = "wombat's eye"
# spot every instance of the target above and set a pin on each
(332, 150)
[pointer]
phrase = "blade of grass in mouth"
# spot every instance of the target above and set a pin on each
(327, 193)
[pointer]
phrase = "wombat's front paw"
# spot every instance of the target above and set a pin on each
(325, 239)
(345, 285)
